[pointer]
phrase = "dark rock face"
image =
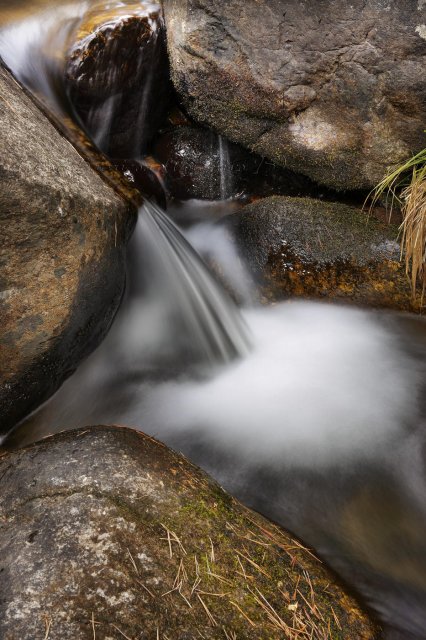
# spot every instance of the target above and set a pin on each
(200, 164)
(329, 88)
(117, 75)
(62, 262)
(146, 176)
(106, 533)
(314, 249)
(191, 158)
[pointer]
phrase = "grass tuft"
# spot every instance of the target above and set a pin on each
(406, 186)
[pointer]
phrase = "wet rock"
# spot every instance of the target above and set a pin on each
(117, 75)
(105, 532)
(313, 249)
(191, 159)
(200, 164)
(147, 176)
(330, 88)
(62, 258)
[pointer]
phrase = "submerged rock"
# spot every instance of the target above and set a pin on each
(314, 249)
(105, 532)
(117, 75)
(62, 259)
(329, 88)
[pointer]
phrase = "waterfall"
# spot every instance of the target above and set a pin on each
(186, 295)
(226, 181)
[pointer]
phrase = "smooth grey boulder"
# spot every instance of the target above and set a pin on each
(329, 88)
(105, 533)
(62, 257)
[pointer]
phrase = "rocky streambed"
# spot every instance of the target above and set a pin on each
(281, 131)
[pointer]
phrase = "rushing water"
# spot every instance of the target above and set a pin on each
(34, 49)
(225, 167)
(320, 426)
(183, 300)
(313, 414)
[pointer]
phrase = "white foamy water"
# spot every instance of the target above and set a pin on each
(215, 243)
(318, 384)
(321, 385)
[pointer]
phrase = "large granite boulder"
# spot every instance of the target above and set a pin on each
(117, 75)
(105, 533)
(314, 249)
(330, 88)
(62, 257)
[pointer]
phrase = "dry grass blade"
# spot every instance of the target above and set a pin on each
(206, 609)
(220, 578)
(273, 616)
(48, 623)
(93, 626)
(253, 563)
(133, 561)
(414, 229)
(407, 185)
(212, 554)
(120, 632)
(336, 619)
(146, 588)
(172, 537)
(234, 604)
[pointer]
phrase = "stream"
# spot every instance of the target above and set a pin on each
(312, 414)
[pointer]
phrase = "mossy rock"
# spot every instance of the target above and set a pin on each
(106, 533)
(322, 250)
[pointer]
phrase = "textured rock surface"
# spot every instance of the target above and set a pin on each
(330, 88)
(200, 164)
(62, 263)
(106, 533)
(117, 75)
(314, 249)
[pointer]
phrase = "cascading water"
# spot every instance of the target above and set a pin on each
(225, 166)
(185, 294)
(316, 419)
(34, 49)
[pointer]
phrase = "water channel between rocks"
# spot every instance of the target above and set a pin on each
(315, 415)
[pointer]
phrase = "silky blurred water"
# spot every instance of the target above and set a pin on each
(321, 426)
